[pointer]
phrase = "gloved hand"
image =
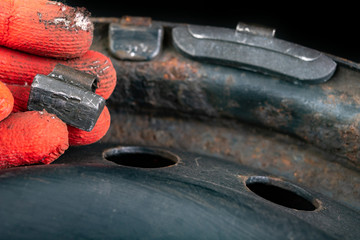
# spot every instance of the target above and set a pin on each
(35, 35)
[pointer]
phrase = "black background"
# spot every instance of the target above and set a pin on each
(331, 27)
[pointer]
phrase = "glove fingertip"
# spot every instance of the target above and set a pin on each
(78, 137)
(45, 28)
(21, 95)
(6, 101)
(31, 137)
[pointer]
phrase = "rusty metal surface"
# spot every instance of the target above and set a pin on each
(278, 154)
(325, 115)
(307, 133)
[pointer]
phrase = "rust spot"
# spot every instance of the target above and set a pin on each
(174, 69)
(349, 99)
(335, 97)
(286, 161)
(257, 153)
(218, 145)
(331, 99)
(327, 88)
(272, 116)
(135, 21)
(229, 81)
(350, 136)
(170, 69)
(310, 161)
(347, 93)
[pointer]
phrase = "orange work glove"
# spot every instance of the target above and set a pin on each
(35, 35)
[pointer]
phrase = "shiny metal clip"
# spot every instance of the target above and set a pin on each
(135, 38)
(253, 49)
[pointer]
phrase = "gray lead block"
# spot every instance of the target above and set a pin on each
(74, 105)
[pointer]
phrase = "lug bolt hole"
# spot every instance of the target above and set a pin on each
(282, 193)
(140, 157)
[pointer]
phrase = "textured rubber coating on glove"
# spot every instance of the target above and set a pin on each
(45, 28)
(20, 68)
(6, 101)
(31, 138)
(21, 97)
(79, 137)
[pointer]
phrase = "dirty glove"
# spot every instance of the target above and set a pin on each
(36, 35)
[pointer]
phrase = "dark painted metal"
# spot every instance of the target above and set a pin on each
(69, 95)
(83, 195)
(306, 133)
(294, 151)
(326, 115)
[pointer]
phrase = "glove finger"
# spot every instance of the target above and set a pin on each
(76, 136)
(80, 137)
(6, 101)
(20, 95)
(45, 28)
(20, 68)
(30, 138)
